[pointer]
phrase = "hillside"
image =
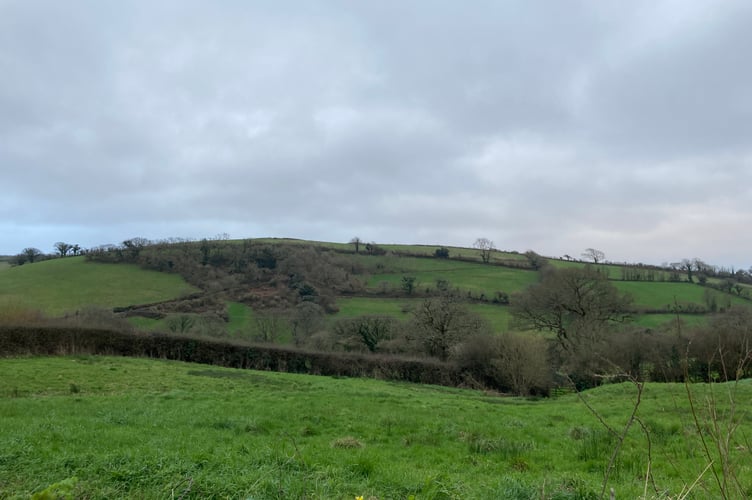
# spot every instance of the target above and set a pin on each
(478, 311)
(133, 428)
(370, 283)
(65, 285)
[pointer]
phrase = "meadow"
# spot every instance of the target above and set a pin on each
(664, 295)
(467, 276)
(65, 285)
(108, 427)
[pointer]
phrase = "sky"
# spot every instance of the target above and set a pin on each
(540, 125)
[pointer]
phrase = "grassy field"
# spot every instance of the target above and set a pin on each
(135, 428)
(665, 294)
(240, 317)
(428, 250)
(60, 285)
(613, 271)
(359, 306)
(467, 276)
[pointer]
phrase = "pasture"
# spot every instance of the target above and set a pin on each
(65, 285)
(467, 276)
(135, 428)
(665, 294)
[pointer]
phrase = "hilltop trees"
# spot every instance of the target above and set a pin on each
(593, 254)
(29, 254)
(63, 248)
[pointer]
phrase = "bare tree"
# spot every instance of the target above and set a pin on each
(366, 331)
(568, 302)
(63, 248)
(485, 246)
(31, 254)
(307, 318)
(441, 323)
(593, 254)
(356, 241)
(135, 245)
(580, 306)
(269, 326)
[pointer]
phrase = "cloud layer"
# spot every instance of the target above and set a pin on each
(539, 125)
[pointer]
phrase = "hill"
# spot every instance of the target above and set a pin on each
(463, 306)
(103, 427)
(65, 285)
(343, 281)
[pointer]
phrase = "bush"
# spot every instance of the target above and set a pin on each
(509, 362)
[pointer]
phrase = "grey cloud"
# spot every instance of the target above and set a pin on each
(540, 125)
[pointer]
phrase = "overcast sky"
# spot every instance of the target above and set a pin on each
(544, 125)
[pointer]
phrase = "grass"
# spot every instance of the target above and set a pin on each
(659, 295)
(240, 317)
(428, 250)
(61, 285)
(135, 428)
(467, 276)
(360, 306)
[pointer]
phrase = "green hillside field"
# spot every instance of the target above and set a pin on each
(65, 285)
(107, 427)
(466, 276)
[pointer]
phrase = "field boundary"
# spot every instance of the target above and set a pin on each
(51, 341)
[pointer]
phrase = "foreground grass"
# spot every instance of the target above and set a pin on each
(133, 428)
(61, 285)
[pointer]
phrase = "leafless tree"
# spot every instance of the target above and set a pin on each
(63, 248)
(593, 254)
(485, 246)
(441, 323)
(31, 254)
(356, 241)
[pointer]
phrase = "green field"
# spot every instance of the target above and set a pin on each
(360, 306)
(4, 265)
(466, 276)
(62, 285)
(661, 295)
(613, 271)
(428, 250)
(135, 428)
